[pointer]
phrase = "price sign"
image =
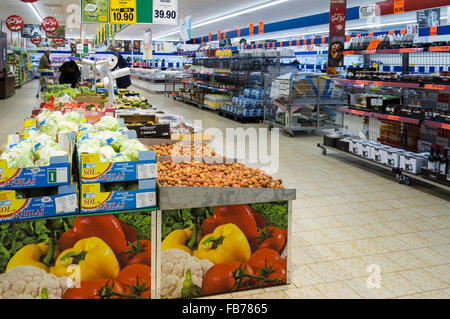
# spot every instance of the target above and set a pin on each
(393, 117)
(408, 50)
(373, 45)
(445, 126)
(399, 6)
(122, 11)
(165, 12)
(437, 49)
(433, 31)
(434, 87)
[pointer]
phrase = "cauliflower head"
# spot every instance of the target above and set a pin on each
(27, 282)
(175, 262)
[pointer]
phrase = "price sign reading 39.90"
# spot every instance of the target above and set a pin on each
(165, 12)
(122, 12)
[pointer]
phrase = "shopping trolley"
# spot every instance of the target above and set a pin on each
(43, 74)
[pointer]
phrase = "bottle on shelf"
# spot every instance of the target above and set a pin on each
(443, 162)
(431, 160)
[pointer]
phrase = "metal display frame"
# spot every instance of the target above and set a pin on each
(295, 103)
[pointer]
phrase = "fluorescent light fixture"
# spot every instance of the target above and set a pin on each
(228, 16)
(36, 13)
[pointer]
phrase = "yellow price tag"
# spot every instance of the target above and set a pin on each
(122, 11)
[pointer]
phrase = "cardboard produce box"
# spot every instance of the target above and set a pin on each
(147, 126)
(90, 98)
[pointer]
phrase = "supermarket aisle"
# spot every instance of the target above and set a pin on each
(14, 110)
(347, 217)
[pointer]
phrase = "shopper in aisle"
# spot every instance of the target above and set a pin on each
(70, 73)
(44, 64)
(124, 81)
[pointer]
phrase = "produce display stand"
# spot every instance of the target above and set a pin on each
(172, 198)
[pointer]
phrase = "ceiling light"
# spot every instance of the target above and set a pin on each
(36, 13)
(228, 16)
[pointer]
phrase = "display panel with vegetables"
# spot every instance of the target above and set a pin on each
(214, 250)
(87, 257)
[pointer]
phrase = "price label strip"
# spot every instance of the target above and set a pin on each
(165, 12)
(123, 11)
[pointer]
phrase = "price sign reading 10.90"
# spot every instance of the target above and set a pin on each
(123, 11)
(165, 12)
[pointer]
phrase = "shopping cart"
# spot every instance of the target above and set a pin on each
(43, 74)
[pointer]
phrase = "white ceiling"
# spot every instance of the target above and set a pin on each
(199, 10)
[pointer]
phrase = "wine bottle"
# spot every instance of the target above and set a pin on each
(443, 163)
(430, 163)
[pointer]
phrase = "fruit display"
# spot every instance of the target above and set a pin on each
(214, 175)
(132, 101)
(87, 257)
(220, 249)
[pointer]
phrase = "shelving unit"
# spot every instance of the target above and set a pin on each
(307, 106)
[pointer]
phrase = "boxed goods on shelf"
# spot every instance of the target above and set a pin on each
(146, 126)
(370, 102)
(412, 162)
(355, 147)
(393, 157)
(117, 196)
(379, 154)
(38, 203)
(343, 144)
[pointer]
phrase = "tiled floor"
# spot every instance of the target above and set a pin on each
(346, 217)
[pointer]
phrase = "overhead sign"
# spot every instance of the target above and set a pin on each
(429, 18)
(337, 33)
(185, 29)
(49, 24)
(122, 12)
(14, 23)
(165, 12)
(94, 11)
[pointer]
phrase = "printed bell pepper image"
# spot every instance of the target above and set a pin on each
(94, 257)
(239, 215)
(107, 227)
(183, 239)
(37, 255)
(227, 244)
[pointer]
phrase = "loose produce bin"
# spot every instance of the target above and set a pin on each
(212, 242)
(93, 200)
(79, 257)
(18, 205)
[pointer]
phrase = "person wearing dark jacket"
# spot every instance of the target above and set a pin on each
(124, 81)
(70, 73)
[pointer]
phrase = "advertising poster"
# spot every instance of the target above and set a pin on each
(136, 46)
(95, 11)
(127, 46)
(86, 257)
(185, 29)
(116, 46)
(337, 33)
(429, 18)
(32, 31)
(223, 249)
(60, 33)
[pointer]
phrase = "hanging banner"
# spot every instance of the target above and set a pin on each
(185, 29)
(14, 23)
(261, 27)
(49, 24)
(32, 31)
(94, 11)
(165, 12)
(218, 35)
(122, 11)
(429, 18)
(251, 29)
(209, 36)
(60, 33)
(336, 38)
